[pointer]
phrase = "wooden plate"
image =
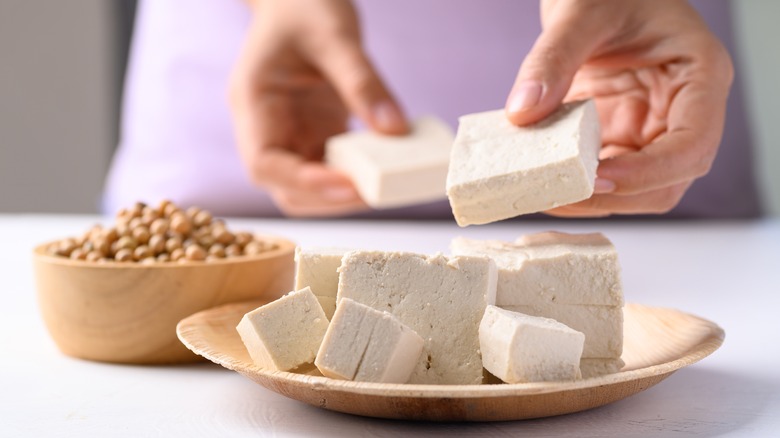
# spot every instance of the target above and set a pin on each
(657, 342)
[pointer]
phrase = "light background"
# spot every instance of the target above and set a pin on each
(758, 37)
(60, 70)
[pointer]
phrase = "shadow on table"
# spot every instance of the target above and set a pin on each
(691, 402)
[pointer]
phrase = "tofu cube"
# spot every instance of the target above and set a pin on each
(442, 299)
(551, 267)
(594, 367)
(328, 306)
(601, 325)
(285, 333)
(572, 278)
(394, 171)
(366, 345)
(519, 348)
(499, 170)
(317, 268)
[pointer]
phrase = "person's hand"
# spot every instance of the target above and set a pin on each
(301, 72)
(660, 80)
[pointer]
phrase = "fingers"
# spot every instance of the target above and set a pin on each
(301, 63)
(685, 152)
(572, 33)
(315, 190)
(346, 65)
(653, 179)
(266, 134)
(302, 188)
(661, 89)
(600, 205)
(264, 129)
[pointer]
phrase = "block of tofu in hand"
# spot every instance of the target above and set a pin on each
(393, 171)
(551, 267)
(285, 333)
(366, 345)
(499, 170)
(518, 348)
(442, 299)
(317, 268)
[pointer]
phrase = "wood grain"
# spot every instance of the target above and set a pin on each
(127, 312)
(657, 342)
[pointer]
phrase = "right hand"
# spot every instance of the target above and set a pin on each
(301, 72)
(660, 80)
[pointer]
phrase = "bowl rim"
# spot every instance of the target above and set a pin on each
(285, 246)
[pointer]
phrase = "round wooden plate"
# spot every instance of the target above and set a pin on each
(657, 342)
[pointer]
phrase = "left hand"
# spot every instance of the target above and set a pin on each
(302, 71)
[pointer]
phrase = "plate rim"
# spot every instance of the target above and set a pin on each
(712, 341)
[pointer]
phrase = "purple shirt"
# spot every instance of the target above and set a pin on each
(446, 58)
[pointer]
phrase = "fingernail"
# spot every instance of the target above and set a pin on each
(388, 118)
(602, 186)
(525, 96)
(340, 194)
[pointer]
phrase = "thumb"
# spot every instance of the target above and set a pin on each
(347, 67)
(549, 68)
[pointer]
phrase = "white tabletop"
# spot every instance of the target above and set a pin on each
(727, 272)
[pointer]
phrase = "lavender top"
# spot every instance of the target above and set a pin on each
(446, 58)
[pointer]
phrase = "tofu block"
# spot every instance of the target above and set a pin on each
(328, 306)
(393, 171)
(499, 170)
(519, 348)
(442, 299)
(366, 345)
(345, 341)
(601, 325)
(317, 268)
(551, 267)
(594, 367)
(285, 333)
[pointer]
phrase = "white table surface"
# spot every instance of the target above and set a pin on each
(728, 272)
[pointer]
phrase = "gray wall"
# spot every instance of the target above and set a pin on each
(758, 39)
(59, 82)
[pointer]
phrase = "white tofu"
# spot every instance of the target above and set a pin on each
(345, 341)
(393, 171)
(551, 268)
(499, 170)
(285, 333)
(602, 325)
(317, 268)
(519, 348)
(392, 353)
(594, 367)
(328, 306)
(440, 298)
(366, 345)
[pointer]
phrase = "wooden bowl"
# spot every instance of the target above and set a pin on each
(127, 312)
(657, 342)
